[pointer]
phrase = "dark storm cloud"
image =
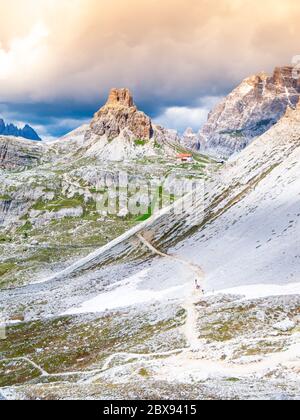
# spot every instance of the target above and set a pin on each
(59, 58)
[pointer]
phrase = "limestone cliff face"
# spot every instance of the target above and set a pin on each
(15, 153)
(191, 139)
(120, 113)
(249, 111)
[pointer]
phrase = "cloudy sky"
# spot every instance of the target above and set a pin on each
(59, 58)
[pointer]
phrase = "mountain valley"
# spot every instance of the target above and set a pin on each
(100, 305)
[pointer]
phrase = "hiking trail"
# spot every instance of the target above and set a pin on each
(190, 327)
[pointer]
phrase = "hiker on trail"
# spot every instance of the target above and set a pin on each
(198, 287)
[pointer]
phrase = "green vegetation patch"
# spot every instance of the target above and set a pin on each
(16, 372)
(5, 238)
(5, 197)
(58, 204)
(75, 343)
(25, 228)
(144, 373)
(140, 142)
(7, 267)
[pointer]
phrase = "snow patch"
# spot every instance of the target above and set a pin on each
(285, 326)
(128, 293)
(257, 291)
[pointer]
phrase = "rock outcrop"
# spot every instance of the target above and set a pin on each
(118, 114)
(16, 153)
(119, 131)
(249, 111)
(26, 132)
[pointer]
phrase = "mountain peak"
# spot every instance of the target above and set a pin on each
(120, 98)
(120, 113)
(26, 132)
(250, 110)
(189, 132)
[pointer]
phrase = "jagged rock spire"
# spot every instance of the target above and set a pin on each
(120, 113)
(120, 97)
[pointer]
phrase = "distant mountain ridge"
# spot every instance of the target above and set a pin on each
(247, 112)
(26, 132)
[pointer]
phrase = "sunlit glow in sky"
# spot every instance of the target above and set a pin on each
(59, 58)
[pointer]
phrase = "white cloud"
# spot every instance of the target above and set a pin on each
(23, 52)
(166, 52)
(180, 118)
(57, 49)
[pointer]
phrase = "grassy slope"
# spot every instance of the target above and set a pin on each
(31, 247)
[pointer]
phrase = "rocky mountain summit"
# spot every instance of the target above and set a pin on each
(119, 113)
(191, 139)
(26, 132)
(119, 131)
(249, 111)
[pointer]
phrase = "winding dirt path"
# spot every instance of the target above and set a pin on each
(30, 362)
(49, 375)
(193, 267)
(191, 361)
(190, 328)
(98, 372)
